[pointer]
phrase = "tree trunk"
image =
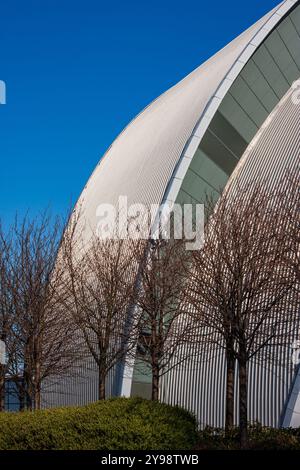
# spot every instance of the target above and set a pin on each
(28, 375)
(229, 413)
(21, 394)
(28, 392)
(29, 404)
(37, 398)
(243, 398)
(2, 376)
(101, 385)
(2, 387)
(155, 382)
(37, 375)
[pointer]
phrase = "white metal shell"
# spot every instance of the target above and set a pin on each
(149, 160)
(149, 156)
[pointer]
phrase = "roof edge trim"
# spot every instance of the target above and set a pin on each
(213, 104)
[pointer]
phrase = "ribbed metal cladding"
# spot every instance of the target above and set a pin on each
(274, 151)
(141, 164)
(78, 387)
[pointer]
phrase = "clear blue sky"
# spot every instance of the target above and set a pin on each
(78, 71)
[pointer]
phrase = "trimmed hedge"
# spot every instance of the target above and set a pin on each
(115, 424)
(260, 438)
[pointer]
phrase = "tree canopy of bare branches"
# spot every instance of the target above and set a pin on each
(239, 285)
(100, 284)
(37, 336)
(162, 329)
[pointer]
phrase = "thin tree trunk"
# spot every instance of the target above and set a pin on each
(155, 382)
(243, 398)
(101, 385)
(21, 395)
(28, 392)
(2, 387)
(29, 399)
(28, 375)
(37, 375)
(229, 413)
(2, 378)
(37, 398)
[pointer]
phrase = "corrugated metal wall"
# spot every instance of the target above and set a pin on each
(136, 165)
(200, 387)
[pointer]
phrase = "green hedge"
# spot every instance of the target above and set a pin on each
(116, 424)
(260, 438)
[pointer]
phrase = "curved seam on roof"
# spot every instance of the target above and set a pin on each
(205, 181)
(257, 136)
(286, 47)
(222, 93)
(81, 197)
(254, 93)
(224, 144)
(205, 115)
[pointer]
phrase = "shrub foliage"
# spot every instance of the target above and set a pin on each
(115, 424)
(260, 438)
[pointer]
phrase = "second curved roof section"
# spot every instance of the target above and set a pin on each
(145, 160)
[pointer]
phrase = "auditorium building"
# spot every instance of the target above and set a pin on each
(236, 115)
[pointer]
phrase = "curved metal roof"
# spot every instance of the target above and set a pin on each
(143, 162)
(150, 158)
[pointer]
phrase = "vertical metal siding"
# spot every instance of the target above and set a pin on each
(276, 149)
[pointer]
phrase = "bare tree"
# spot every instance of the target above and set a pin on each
(43, 338)
(239, 286)
(100, 283)
(163, 329)
(288, 234)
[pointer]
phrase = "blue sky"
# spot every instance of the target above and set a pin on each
(78, 71)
